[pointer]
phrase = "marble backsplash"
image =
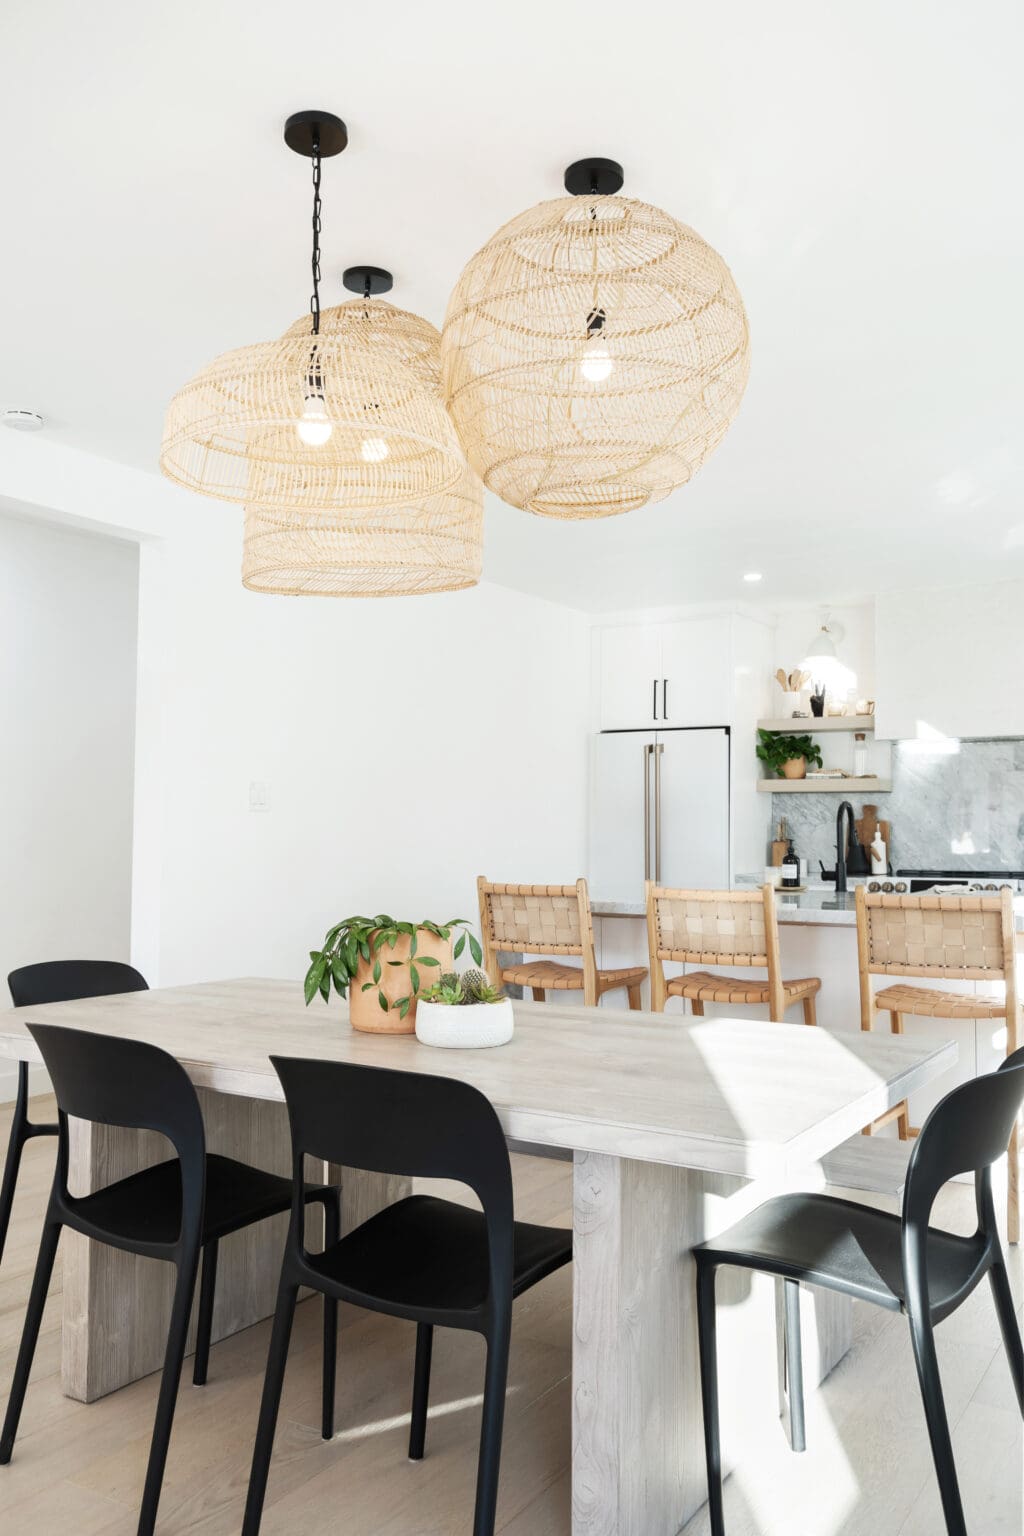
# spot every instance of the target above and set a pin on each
(959, 809)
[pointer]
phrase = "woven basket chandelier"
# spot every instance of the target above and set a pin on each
(337, 437)
(433, 546)
(594, 353)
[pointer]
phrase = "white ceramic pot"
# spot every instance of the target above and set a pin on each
(469, 1027)
(790, 704)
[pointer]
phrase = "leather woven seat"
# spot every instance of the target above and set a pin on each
(549, 974)
(444, 1260)
(939, 1005)
(707, 988)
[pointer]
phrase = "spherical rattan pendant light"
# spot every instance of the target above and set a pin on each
(337, 436)
(594, 353)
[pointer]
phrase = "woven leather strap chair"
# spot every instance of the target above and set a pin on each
(549, 920)
(963, 938)
(728, 928)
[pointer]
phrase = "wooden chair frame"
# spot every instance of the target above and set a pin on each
(768, 959)
(595, 981)
(1005, 972)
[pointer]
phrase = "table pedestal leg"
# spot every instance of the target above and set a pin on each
(117, 1307)
(638, 1458)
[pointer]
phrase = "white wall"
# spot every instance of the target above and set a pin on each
(407, 745)
(949, 661)
(68, 603)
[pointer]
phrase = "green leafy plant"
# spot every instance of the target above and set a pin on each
(457, 991)
(368, 939)
(777, 747)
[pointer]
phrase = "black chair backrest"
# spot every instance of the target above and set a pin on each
(407, 1123)
(65, 981)
(966, 1132)
(126, 1083)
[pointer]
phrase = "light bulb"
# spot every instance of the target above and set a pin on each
(596, 365)
(374, 449)
(314, 428)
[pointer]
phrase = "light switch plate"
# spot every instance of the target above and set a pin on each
(259, 795)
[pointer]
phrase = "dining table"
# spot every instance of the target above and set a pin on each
(675, 1127)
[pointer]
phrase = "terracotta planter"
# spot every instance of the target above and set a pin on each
(795, 768)
(364, 1009)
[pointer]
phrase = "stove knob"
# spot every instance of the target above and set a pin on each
(991, 886)
(901, 887)
(887, 886)
(874, 886)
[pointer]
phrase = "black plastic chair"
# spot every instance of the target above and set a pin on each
(424, 1259)
(898, 1262)
(54, 981)
(173, 1211)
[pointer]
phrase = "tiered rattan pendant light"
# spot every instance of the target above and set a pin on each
(594, 353)
(336, 439)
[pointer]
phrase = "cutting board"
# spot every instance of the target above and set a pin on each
(867, 825)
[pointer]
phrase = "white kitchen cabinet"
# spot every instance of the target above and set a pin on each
(665, 674)
(629, 661)
(696, 668)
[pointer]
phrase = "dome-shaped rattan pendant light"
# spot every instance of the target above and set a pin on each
(594, 353)
(365, 523)
(333, 415)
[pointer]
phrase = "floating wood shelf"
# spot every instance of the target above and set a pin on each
(811, 724)
(868, 786)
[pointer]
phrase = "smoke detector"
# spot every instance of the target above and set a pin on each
(21, 421)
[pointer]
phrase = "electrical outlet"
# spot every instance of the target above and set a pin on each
(259, 795)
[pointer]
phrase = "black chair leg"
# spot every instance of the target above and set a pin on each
(15, 1146)
(1009, 1327)
(174, 1356)
(272, 1384)
(420, 1390)
(204, 1325)
(794, 1367)
(29, 1335)
(495, 1384)
(708, 1344)
(332, 1223)
(923, 1340)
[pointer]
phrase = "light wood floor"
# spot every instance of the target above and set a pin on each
(867, 1472)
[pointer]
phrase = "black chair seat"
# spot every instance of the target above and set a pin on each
(429, 1255)
(848, 1247)
(146, 1206)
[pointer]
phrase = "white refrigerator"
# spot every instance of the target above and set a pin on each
(659, 810)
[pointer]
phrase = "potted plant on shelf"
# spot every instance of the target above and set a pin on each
(383, 965)
(464, 1012)
(787, 755)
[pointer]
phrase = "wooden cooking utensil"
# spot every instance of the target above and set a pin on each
(782, 680)
(780, 845)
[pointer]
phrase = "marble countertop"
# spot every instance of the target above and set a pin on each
(813, 906)
(819, 906)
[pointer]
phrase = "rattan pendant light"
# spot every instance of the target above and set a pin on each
(336, 436)
(594, 353)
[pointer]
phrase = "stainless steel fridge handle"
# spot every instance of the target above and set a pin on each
(647, 812)
(658, 750)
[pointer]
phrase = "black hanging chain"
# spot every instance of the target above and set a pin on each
(314, 303)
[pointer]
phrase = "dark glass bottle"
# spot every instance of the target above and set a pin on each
(790, 867)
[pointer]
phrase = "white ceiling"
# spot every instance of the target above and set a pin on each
(857, 164)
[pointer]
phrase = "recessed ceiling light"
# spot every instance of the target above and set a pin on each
(21, 421)
(751, 575)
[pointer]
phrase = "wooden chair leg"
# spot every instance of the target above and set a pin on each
(539, 994)
(1013, 1187)
(697, 1007)
(635, 1000)
(810, 1012)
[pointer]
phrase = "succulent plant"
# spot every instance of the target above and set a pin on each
(459, 991)
(475, 983)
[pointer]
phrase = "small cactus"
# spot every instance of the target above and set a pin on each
(474, 984)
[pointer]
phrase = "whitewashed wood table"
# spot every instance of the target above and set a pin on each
(676, 1126)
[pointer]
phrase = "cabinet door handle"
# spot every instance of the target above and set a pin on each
(658, 750)
(654, 699)
(664, 698)
(647, 811)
